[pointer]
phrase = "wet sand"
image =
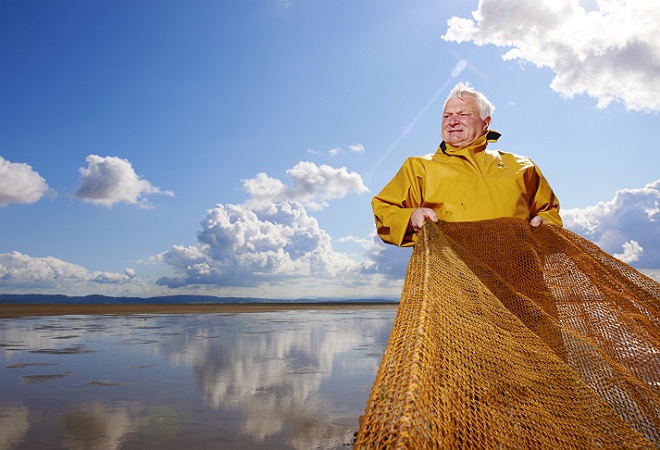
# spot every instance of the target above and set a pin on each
(233, 376)
(25, 310)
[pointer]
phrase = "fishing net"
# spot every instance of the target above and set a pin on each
(514, 337)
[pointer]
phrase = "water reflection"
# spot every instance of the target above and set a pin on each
(96, 426)
(297, 379)
(13, 425)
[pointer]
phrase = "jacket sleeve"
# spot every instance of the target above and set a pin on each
(544, 202)
(395, 203)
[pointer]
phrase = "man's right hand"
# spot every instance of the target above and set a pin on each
(419, 216)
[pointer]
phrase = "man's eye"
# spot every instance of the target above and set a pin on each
(465, 114)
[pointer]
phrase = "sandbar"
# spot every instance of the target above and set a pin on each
(9, 310)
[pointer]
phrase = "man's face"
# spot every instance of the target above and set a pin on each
(461, 123)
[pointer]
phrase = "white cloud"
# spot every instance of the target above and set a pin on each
(22, 271)
(271, 237)
(269, 246)
(241, 247)
(362, 242)
(353, 148)
(632, 251)
(110, 180)
(311, 186)
(611, 53)
(387, 261)
(19, 183)
(628, 226)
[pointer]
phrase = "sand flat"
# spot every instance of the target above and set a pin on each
(209, 376)
(25, 310)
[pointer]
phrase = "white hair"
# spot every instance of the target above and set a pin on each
(486, 108)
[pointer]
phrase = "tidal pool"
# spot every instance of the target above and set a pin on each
(277, 380)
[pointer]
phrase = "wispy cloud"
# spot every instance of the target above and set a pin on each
(346, 149)
(20, 183)
(611, 53)
(109, 180)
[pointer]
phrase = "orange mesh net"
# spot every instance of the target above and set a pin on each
(514, 337)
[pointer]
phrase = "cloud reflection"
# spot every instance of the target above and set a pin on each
(297, 379)
(272, 374)
(14, 424)
(96, 426)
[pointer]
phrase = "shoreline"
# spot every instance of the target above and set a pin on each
(12, 310)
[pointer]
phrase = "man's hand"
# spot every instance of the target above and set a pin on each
(536, 221)
(419, 216)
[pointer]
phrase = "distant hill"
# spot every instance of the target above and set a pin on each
(168, 299)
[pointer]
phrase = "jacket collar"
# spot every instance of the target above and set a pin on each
(477, 145)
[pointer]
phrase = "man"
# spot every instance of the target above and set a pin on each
(463, 181)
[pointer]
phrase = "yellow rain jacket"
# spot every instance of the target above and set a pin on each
(463, 184)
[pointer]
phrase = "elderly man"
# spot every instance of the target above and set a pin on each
(463, 181)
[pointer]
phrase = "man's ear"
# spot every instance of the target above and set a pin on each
(487, 122)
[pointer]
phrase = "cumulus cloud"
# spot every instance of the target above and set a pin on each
(109, 180)
(19, 183)
(241, 247)
(387, 261)
(628, 226)
(610, 53)
(311, 186)
(22, 271)
(632, 251)
(271, 237)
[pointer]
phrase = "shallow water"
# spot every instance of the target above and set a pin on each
(281, 380)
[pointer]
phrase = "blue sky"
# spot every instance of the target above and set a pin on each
(154, 147)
